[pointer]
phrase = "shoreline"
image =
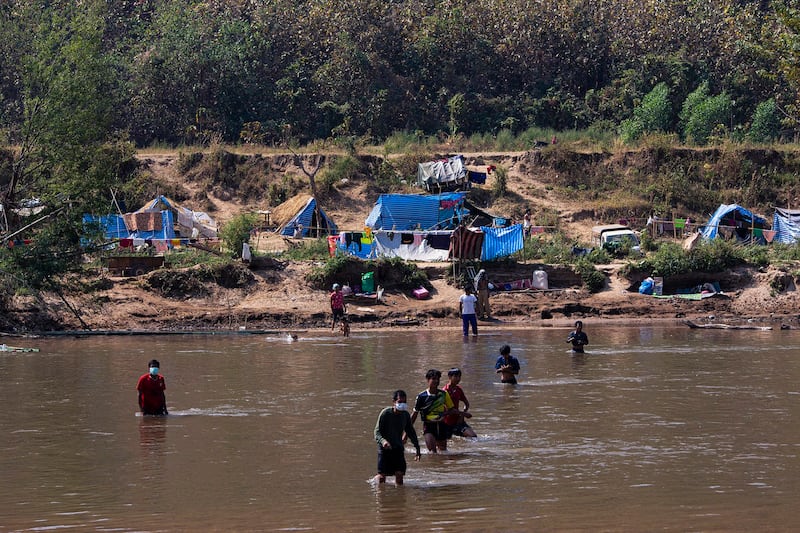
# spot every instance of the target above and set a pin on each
(777, 323)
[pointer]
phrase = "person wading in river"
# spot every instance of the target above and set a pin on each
(393, 427)
(151, 387)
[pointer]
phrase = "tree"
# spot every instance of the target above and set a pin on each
(707, 116)
(766, 123)
(63, 153)
(653, 115)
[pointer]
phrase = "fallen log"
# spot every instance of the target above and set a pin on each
(725, 326)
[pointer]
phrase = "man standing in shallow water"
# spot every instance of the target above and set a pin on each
(393, 426)
(151, 387)
(434, 404)
(578, 338)
(507, 365)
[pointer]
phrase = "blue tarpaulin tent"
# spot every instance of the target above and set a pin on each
(501, 242)
(306, 216)
(415, 211)
(786, 224)
(112, 226)
(734, 221)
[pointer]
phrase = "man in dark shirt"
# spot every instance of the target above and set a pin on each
(393, 427)
(578, 338)
(507, 365)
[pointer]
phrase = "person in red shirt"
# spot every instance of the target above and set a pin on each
(337, 305)
(151, 386)
(457, 420)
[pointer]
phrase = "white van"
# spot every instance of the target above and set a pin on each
(612, 237)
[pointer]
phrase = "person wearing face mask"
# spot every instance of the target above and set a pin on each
(393, 427)
(151, 386)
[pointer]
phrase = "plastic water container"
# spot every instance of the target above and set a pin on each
(421, 293)
(539, 280)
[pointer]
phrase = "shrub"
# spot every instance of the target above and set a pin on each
(310, 249)
(342, 168)
(500, 186)
(714, 256)
(552, 248)
(766, 124)
(236, 232)
(593, 279)
(389, 273)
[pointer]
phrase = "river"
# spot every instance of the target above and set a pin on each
(653, 428)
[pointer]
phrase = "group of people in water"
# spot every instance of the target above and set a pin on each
(440, 411)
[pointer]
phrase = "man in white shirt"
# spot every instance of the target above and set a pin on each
(467, 308)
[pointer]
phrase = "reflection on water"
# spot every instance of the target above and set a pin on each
(664, 428)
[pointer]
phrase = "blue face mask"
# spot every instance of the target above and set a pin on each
(401, 406)
(153, 370)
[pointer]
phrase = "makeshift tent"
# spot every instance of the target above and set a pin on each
(486, 243)
(466, 243)
(413, 245)
(356, 243)
(501, 242)
(158, 225)
(786, 225)
(735, 222)
(112, 226)
(189, 223)
(443, 174)
(302, 210)
(450, 174)
(402, 212)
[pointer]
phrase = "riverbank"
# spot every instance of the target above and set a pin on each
(277, 301)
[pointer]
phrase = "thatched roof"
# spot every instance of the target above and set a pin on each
(288, 209)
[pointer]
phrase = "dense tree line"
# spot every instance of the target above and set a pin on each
(178, 71)
(84, 82)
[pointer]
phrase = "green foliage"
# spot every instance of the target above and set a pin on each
(391, 273)
(193, 282)
(647, 243)
(784, 252)
(766, 124)
(500, 185)
(309, 250)
(654, 114)
(236, 232)
(553, 248)
(342, 168)
(188, 257)
(631, 130)
(713, 256)
(593, 279)
(692, 102)
(456, 105)
(386, 175)
(183, 72)
(703, 115)
(323, 276)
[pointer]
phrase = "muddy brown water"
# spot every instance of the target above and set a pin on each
(652, 429)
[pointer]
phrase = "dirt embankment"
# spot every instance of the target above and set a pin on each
(282, 298)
